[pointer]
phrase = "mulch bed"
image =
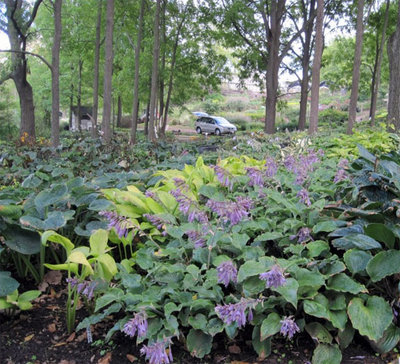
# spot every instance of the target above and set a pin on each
(39, 336)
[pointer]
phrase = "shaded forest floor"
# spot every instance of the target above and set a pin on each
(39, 336)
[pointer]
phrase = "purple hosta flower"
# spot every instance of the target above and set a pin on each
(149, 193)
(158, 222)
(156, 353)
(340, 176)
(189, 208)
(224, 177)
(236, 312)
(343, 163)
(290, 163)
(136, 324)
(303, 235)
(84, 287)
(196, 238)
(227, 272)
(180, 184)
(289, 327)
(301, 176)
(304, 197)
(119, 223)
(256, 177)
(274, 277)
(234, 212)
(272, 167)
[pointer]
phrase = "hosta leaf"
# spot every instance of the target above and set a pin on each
(199, 343)
(98, 242)
(270, 326)
(78, 257)
(7, 284)
(343, 283)
(327, 354)
(288, 291)
(249, 269)
(324, 226)
(11, 211)
(22, 241)
(384, 264)
(315, 248)
(381, 233)
(319, 333)
(50, 196)
(316, 309)
(359, 241)
(357, 260)
(345, 337)
(262, 348)
(370, 318)
(306, 277)
(388, 341)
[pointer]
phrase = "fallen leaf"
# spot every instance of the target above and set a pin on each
(71, 337)
(51, 328)
(43, 286)
(105, 359)
(53, 293)
(53, 277)
(81, 337)
(67, 362)
(131, 357)
(29, 337)
(60, 344)
(123, 164)
(234, 349)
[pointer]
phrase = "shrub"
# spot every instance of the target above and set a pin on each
(332, 117)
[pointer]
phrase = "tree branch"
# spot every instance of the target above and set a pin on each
(34, 12)
(31, 54)
(248, 41)
(5, 78)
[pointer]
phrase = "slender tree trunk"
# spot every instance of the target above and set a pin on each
(96, 66)
(378, 66)
(119, 111)
(79, 97)
(154, 77)
(273, 44)
(394, 76)
(374, 71)
(107, 98)
(162, 71)
(71, 101)
(55, 75)
(306, 67)
(146, 120)
(17, 30)
(135, 111)
(356, 67)
(319, 43)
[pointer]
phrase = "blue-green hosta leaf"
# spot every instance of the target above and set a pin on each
(22, 241)
(50, 196)
(359, 241)
(345, 337)
(319, 333)
(381, 233)
(100, 205)
(7, 284)
(351, 230)
(270, 326)
(315, 248)
(370, 318)
(327, 354)
(324, 226)
(384, 264)
(356, 260)
(55, 220)
(306, 277)
(199, 343)
(343, 283)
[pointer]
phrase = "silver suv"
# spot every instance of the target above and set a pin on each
(214, 125)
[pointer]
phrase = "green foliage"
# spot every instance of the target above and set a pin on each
(332, 117)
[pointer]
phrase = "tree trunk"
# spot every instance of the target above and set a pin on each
(55, 75)
(96, 66)
(17, 29)
(107, 98)
(356, 67)
(162, 71)
(154, 77)
(319, 44)
(374, 97)
(394, 76)
(79, 97)
(306, 65)
(71, 101)
(136, 81)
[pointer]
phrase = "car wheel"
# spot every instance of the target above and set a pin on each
(198, 130)
(217, 132)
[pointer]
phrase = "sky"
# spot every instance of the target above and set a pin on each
(4, 41)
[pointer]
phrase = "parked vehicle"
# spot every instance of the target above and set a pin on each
(214, 125)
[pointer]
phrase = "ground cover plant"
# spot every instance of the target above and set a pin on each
(270, 248)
